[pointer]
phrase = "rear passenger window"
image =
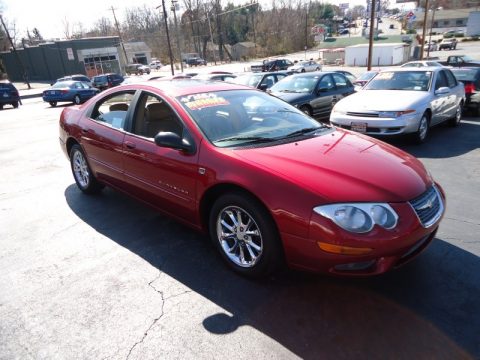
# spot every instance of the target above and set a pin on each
(452, 82)
(113, 110)
(340, 81)
(441, 81)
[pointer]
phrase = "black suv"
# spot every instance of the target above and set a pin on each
(272, 65)
(8, 94)
(196, 61)
(107, 81)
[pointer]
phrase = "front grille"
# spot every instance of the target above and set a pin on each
(428, 207)
(361, 114)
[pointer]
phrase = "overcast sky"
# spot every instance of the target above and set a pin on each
(47, 15)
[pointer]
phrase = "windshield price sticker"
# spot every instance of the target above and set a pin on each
(201, 101)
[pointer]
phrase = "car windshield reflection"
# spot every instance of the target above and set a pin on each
(243, 117)
(296, 84)
(401, 80)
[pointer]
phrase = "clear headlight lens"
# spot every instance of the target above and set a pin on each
(339, 111)
(359, 217)
(394, 114)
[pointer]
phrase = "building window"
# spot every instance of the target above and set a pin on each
(459, 22)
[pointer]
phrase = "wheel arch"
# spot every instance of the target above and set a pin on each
(215, 192)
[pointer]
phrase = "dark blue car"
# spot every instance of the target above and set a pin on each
(314, 93)
(69, 91)
(8, 94)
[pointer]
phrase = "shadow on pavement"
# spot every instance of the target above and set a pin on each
(440, 144)
(427, 309)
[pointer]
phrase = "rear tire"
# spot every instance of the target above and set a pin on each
(455, 121)
(15, 104)
(53, 103)
(77, 100)
(245, 234)
(306, 109)
(82, 173)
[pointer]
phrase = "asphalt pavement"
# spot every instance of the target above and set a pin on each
(104, 277)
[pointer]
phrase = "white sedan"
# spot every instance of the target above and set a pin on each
(307, 65)
(403, 101)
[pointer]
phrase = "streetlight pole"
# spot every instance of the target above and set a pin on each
(173, 8)
(168, 35)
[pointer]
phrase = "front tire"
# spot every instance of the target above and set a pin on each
(245, 234)
(423, 131)
(53, 103)
(82, 173)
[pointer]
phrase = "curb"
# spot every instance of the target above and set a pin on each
(30, 96)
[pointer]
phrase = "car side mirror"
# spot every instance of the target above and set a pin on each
(442, 91)
(322, 90)
(174, 141)
(263, 87)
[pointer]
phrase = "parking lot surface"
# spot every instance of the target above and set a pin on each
(104, 277)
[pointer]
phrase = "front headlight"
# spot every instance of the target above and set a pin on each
(394, 114)
(338, 111)
(359, 217)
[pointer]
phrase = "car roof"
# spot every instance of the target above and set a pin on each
(407, 69)
(181, 87)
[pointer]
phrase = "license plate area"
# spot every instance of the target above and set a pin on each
(359, 127)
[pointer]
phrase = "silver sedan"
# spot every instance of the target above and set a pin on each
(403, 101)
(307, 65)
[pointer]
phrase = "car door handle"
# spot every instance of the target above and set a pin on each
(86, 131)
(130, 145)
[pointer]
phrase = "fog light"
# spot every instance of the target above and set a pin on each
(343, 250)
(355, 266)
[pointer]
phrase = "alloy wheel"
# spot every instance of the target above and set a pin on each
(239, 236)
(80, 169)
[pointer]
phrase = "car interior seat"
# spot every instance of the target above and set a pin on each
(160, 118)
(119, 107)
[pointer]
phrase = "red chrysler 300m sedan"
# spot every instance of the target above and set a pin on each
(268, 183)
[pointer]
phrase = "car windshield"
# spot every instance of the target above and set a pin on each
(61, 84)
(367, 76)
(245, 117)
(401, 80)
(465, 74)
(296, 84)
(249, 80)
(467, 58)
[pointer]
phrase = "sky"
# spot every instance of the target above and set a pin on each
(48, 15)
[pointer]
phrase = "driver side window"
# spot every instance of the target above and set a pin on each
(326, 83)
(153, 115)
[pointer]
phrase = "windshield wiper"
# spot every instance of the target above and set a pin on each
(304, 131)
(288, 91)
(256, 139)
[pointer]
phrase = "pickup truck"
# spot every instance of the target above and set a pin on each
(460, 61)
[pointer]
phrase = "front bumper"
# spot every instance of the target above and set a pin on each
(378, 126)
(389, 248)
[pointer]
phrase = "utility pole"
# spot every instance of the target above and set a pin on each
(431, 28)
(168, 35)
(119, 35)
(173, 8)
(211, 35)
(22, 68)
(424, 30)
(370, 38)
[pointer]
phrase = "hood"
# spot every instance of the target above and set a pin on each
(342, 166)
(382, 100)
(292, 98)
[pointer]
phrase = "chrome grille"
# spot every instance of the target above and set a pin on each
(361, 114)
(428, 207)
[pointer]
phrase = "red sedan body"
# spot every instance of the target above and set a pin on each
(288, 178)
